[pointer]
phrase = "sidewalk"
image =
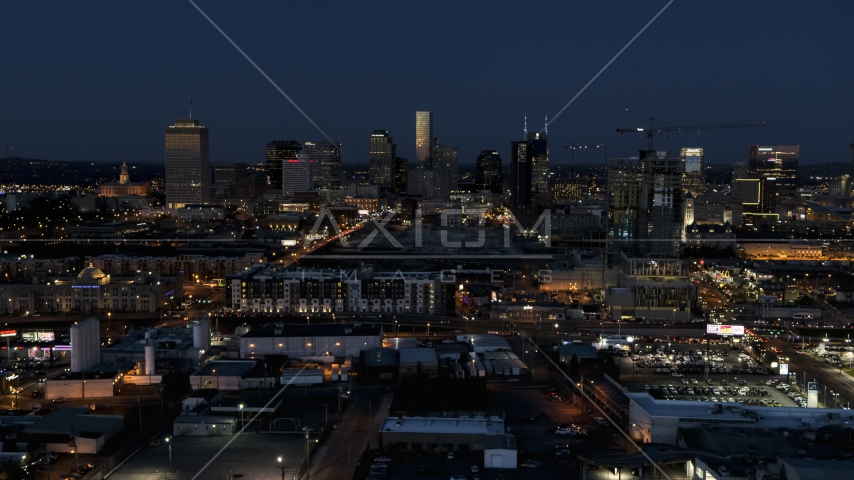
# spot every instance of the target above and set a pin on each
(337, 458)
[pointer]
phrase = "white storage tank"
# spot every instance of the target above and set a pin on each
(77, 347)
(149, 359)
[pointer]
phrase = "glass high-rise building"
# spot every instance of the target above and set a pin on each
(488, 172)
(296, 174)
(779, 162)
(326, 163)
(693, 171)
(540, 171)
(401, 167)
(444, 170)
(188, 176)
(424, 139)
(279, 151)
(520, 174)
(381, 156)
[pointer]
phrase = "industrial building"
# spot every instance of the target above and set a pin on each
(83, 385)
(75, 429)
(500, 451)
(337, 340)
(154, 349)
(438, 434)
(203, 425)
(231, 375)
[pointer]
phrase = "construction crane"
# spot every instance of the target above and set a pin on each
(652, 130)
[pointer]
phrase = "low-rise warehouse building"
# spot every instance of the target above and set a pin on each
(438, 434)
(337, 340)
(83, 385)
(204, 425)
(418, 362)
(72, 429)
(499, 451)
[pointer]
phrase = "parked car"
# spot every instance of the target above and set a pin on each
(530, 464)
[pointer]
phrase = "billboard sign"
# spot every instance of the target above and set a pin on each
(37, 336)
(784, 369)
(812, 395)
(712, 329)
(8, 333)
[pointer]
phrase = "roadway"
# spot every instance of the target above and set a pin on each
(814, 369)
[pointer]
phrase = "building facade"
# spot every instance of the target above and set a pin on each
(188, 178)
(381, 155)
(488, 172)
(444, 170)
(779, 162)
(277, 152)
(693, 171)
(321, 291)
(296, 174)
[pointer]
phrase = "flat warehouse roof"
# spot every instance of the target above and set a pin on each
(483, 426)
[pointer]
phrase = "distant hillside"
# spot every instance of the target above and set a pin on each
(833, 169)
(28, 171)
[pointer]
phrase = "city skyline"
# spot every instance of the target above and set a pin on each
(470, 120)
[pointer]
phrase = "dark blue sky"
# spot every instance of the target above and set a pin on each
(100, 80)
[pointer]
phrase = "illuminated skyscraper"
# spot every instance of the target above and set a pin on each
(401, 166)
(277, 152)
(424, 139)
(296, 174)
(520, 174)
(188, 176)
(488, 172)
(778, 162)
(381, 156)
(540, 171)
(444, 171)
(326, 163)
(693, 171)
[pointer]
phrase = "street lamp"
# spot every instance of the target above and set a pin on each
(281, 466)
(428, 329)
(240, 407)
(170, 451)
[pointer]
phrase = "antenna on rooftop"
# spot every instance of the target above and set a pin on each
(191, 108)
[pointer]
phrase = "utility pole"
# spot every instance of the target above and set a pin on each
(307, 458)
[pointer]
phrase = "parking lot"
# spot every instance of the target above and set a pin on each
(678, 372)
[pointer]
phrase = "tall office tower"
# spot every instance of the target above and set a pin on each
(444, 170)
(232, 176)
(277, 152)
(424, 139)
(420, 182)
(296, 174)
(382, 155)
(401, 165)
(660, 204)
(778, 162)
(540, 172)
(488, 172)
(693, 171)
(739, 170)
(326, 163)
(520, 174)
(188, 175)
(624, 185)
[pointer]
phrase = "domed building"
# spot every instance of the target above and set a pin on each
(124, 187)
(90, 291)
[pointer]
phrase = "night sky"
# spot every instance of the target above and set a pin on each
(100, 80)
